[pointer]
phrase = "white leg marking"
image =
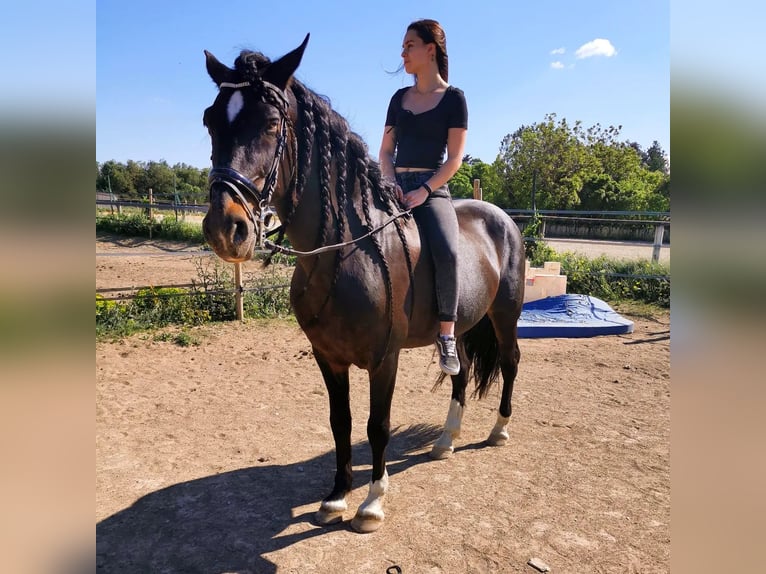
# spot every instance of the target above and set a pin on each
(499, 435)
(234, 106)
(334, 505)
(443, 446)
(370, 515)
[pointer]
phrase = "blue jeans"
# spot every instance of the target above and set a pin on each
(438, 221)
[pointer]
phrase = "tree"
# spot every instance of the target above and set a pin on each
(133, 180)
(577, 168)
(490, 182)
(551, 155)
(461, 184)
(656, 159)
(115, 177)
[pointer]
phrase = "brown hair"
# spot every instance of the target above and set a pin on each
(431, 32)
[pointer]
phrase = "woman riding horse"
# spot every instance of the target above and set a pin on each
(363, 287)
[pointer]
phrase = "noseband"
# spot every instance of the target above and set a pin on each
(240, 186)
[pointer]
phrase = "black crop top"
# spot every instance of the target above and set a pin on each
(421, 139)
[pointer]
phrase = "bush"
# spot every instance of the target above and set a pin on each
(161, 306)
(211, 298)
(609, 279)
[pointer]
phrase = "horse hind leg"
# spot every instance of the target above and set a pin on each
(509, 366)
(443, 447)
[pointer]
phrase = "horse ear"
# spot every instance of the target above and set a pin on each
(218, 72)
(280, 72)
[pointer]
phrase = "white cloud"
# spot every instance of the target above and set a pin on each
(557, 65)
(597, 47)
(557, 51)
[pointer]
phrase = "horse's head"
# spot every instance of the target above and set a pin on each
(248, 126)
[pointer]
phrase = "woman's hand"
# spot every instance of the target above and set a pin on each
(415, 197)
(399, 193)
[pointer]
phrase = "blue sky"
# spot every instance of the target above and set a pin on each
(515, 61)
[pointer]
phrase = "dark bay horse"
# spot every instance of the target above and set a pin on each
(276, 144)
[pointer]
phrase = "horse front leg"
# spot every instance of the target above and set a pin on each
(336, 380)
(369, 517)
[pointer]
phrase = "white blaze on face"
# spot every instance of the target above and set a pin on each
(234, 106)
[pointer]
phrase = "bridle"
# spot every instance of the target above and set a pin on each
(239, 184)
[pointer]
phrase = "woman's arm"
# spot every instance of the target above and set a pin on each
(386, 154)
(455, 146)
(386, 157)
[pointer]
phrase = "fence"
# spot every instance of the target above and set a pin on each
(660, 221)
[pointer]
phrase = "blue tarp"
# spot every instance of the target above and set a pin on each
(570, 315)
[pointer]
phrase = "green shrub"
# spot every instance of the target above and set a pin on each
(168, 305)
(268, 297)
(608, 279)
(211, 298)
(213, 290)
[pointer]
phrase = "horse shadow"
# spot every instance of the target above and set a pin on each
(228, 522)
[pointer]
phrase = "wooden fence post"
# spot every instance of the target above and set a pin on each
(149, 211)
(659, 234)
(239, 291)
(477, 189)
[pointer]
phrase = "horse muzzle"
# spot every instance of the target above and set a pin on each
(229, 231)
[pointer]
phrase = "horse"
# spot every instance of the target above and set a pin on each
(363, 286)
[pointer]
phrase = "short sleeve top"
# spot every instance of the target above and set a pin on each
(421, 139)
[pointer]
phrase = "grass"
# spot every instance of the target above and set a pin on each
(182, 339)
(137, 224)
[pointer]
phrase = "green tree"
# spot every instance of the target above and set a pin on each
(552, 155)
(160, 179)
(115, 176)
(461, 184)
(575, 168)
(656, 159)
(191, 183)
(491, 185)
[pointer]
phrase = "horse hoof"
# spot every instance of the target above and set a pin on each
(326, 517)
(331, 512)
(366, 524)
(441, 452)
(498, 439)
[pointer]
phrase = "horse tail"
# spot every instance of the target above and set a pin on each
(479, 355)
(482, 355)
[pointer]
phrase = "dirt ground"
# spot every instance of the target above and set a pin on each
(214, 457)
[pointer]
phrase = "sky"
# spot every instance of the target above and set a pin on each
(597, 62)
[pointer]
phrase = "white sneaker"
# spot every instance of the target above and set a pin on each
(448, 360)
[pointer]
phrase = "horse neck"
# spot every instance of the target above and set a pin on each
(322, 217)
(305, 219)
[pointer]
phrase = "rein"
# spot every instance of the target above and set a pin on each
(335, 246)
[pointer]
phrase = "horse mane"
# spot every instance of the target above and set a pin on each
(336, 146)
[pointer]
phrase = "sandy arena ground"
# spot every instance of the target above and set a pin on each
(213, 457)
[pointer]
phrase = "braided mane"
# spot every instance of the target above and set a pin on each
(335, 142)
(336, 147)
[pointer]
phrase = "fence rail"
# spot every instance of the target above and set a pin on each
(660, 221)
